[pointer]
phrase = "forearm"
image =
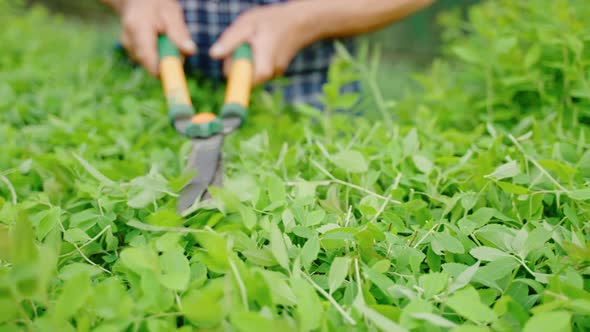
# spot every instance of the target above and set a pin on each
(342, 18)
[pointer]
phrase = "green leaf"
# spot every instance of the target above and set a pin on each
(584, 164)
(470, 328)
(94, 172)
(549, 322)
(497, 269)
(338, 272)
(510, 188)
(73, 296)
(464, 278)
(411, 143)
(137, 259)
(111, 300)
(276, 189)
(216, 247)
(351, 161)
(164, 217)
(466, 302)
(505, 44)
(580, 194)
(444, 241)
(536, 239)
(145, 190)
(76, 235)
(249, 217)
(279, 250)
(467, 54)
(508, 170)
(532, 56)
(175, 270)
(168, 242)
(309, 306)
(433, 283)
(281, 292)
(47, 222)
(434, 319)
(422, 164)
(381, 266)
(382, 322)
(23, 248)
(483, 215)
(309, 252)
(252, 321)
(487, 253)
(203, 307)
(154, 296)
(74, 269)
(84, 219)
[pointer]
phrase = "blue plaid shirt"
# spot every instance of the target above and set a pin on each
(207, 19)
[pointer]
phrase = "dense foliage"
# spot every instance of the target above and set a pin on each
(461, 207)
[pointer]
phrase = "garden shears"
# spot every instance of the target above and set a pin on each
(206, 130)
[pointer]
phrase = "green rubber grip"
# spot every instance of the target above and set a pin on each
(243, 52)
(173, 81)
(234, 110)
(166, 48)
(239, 84)
(204, 130)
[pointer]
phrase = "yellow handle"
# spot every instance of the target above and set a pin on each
(174, 81)
(239, 82)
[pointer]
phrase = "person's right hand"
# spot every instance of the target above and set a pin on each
(143, 20)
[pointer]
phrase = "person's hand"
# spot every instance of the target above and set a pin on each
(275, 33)
(143, 20)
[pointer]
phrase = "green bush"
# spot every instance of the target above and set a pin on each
(464, 207)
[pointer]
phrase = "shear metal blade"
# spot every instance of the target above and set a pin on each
(205, 158)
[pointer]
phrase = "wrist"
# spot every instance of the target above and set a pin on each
(305, 16)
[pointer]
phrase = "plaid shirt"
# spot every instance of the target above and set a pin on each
(207, 19)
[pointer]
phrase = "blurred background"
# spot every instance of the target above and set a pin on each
(406, 46)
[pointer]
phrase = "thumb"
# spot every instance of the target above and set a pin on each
(237, 33)
(176, 29)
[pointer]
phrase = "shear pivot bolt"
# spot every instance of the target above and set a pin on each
(203, 118)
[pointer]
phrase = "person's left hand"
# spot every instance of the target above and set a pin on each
(275, 33)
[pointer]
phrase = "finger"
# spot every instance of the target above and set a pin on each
(237, 33)
(226, 67)
(145, 48)
(126, 42)
(176, 29)
(262, 55)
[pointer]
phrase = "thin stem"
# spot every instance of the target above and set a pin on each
(241, 285)
(522, 262)
(79, 250)
(430, 231)
(330, 299)
(351, 185)
(89, 241)
(534, 162)
(381, 209)
(151, 228)
(10, 188)
(358, 276)
(178, 302)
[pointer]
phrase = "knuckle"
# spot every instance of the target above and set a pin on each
(245, 18)
(143, 57)
(130, 23)
(173, 9)
(282, 66)
(265, 73)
